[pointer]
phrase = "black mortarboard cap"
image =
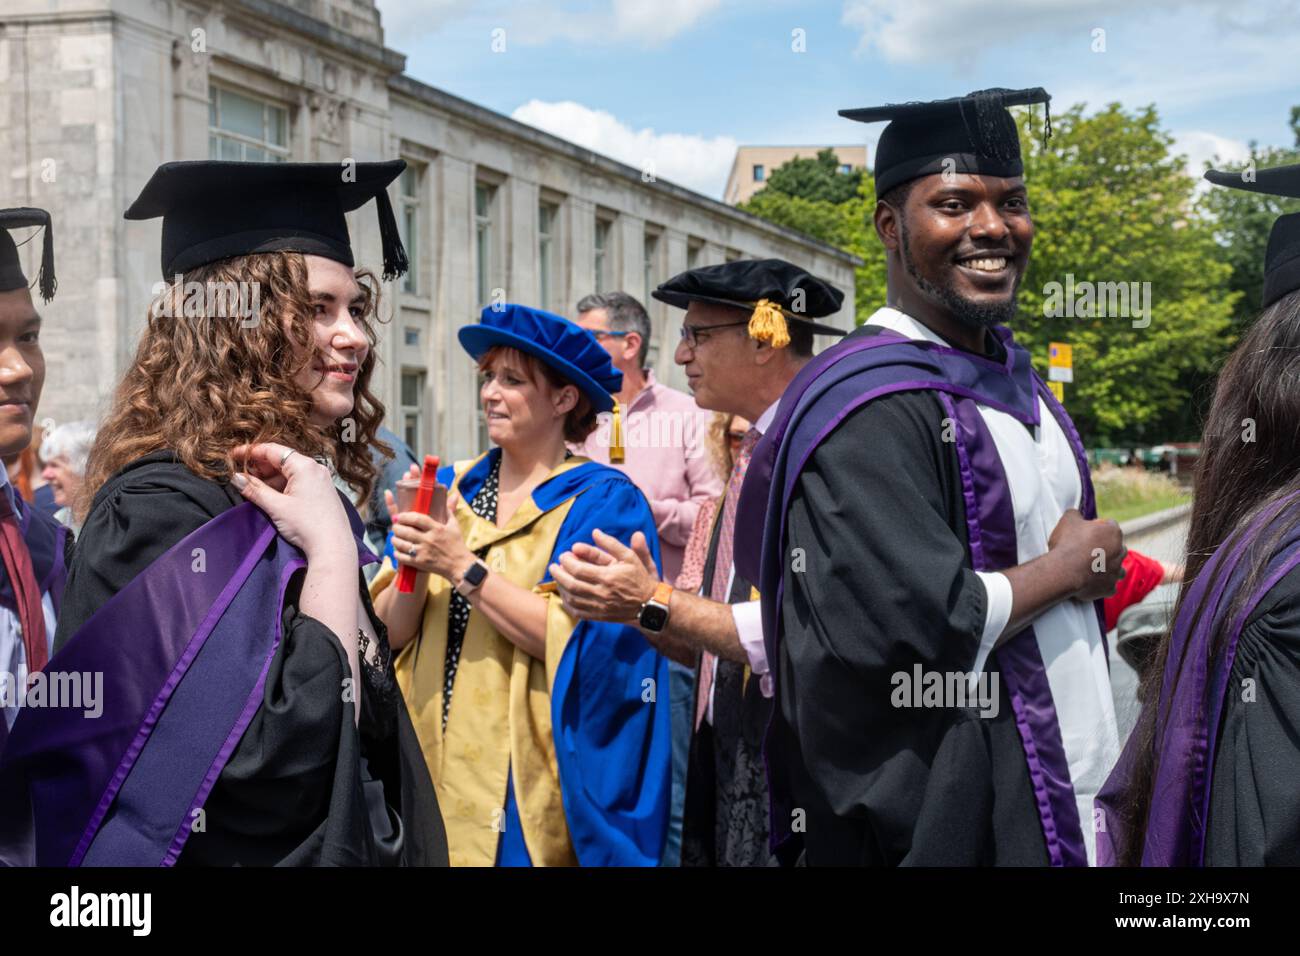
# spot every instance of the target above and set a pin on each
(217, 210)
(976, 132)
(1282, 257)
(748, 283)
(11, 268)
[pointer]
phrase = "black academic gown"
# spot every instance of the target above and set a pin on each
(725, 818)
(1254, 815)
(292, 793)
(888, 583)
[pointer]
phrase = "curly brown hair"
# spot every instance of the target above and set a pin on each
(202, 384)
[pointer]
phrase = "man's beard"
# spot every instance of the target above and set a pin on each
(976, 315)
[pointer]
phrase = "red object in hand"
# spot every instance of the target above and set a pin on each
(423, 501)
(1143, 575)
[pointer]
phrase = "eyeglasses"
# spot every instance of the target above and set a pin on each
(693, 335)
(601, 334)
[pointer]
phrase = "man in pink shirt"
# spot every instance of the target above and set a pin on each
(663, 430)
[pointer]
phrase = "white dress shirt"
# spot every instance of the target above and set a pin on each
(1043, 476)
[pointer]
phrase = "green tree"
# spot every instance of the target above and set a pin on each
(1112, 204)
(1242, 224)
(839, 224)
(818, 178)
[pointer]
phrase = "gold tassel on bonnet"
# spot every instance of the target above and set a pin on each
(767, 324)
(616, 454)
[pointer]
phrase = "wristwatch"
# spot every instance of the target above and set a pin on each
(654, 612)
(472, 578)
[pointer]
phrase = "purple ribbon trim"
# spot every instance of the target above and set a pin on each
(1020, 660)
(110, 790)
(825, 392)
(1190, 705)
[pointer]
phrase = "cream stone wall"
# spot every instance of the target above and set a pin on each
(95, 94)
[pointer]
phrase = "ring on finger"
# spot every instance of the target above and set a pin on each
(285, 456)
(411, 554)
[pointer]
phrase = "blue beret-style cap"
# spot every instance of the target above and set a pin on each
(566, 347)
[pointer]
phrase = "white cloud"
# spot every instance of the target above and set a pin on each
(905, 31)
(654, 21)
(405, 20)
(648, 22)
(697, 162)
(1201, 147)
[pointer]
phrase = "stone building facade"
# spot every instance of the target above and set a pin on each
(94, 94)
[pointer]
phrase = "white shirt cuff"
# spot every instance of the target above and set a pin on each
(997, 590)
(748, 616)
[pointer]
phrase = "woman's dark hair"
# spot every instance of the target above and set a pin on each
(1250, 458)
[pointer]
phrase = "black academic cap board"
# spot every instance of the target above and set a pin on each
(11, 268)
(750, 284)
(213, 210)
(975, 133)
(1282, 257)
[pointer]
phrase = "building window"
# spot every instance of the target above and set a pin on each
(845, 168)
(246, 129)
(651, 264)
(604, 228)
(412, 336)
(548, 215)
(484, 201)
(693, 249)
(758, 174)
(410, 225)
(412, 408)
(731, 255)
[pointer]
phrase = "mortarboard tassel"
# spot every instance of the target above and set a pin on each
(767, 324)
(994, 132)
(616, 436)
(48, 282)
(395, 261)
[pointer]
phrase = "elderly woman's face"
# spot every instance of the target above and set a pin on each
(63, 481)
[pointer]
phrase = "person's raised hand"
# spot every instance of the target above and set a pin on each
(298, 495)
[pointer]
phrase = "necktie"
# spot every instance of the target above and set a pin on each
(720, 587)
(27, 593)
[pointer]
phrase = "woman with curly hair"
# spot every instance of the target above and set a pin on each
(250, 710)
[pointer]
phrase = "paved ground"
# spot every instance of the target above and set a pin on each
(1167, 544)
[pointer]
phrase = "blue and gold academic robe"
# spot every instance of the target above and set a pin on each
(551, 762)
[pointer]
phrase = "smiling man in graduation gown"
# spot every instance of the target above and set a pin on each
(237, 728)
(919, 516)
(32, 544)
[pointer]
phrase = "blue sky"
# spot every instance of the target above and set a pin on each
(679, 83)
